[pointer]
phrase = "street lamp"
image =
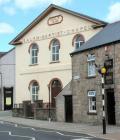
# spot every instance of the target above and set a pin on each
(49, 117)
(103, 72)
(1, 89)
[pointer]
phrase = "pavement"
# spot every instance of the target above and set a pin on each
(113, 132)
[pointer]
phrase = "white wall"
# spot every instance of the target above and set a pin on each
(7, 69)
(44, 72)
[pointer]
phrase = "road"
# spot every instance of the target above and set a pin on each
(10, 131)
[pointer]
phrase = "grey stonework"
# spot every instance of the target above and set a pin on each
(38, 114)
(18, 112)
(43, 114)
(81, 88)
(60, 102)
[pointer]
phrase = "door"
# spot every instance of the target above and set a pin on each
(55, 90)
(8, 98)
(110, 106)
(68, 109)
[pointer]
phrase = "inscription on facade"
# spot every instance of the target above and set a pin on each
(57, 34)
(55, 20)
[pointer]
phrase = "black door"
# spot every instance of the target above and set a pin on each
(8, 98)
(110, 106)
(68, 109)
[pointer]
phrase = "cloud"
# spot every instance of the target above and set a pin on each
(6, 28)
(114, 12)
(27, 4)
(59, 2)
(4, 1)
(9, 10)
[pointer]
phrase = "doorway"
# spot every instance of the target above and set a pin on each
(110, 106)
(68, 109)
(8, 98)
(56, 88)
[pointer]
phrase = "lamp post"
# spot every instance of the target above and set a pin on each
(1, 88)
(103, 72)
(49, 117)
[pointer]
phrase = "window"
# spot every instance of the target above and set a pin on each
(34, 91)
(91, 65)
(92, 101)
(34, 54)
(78, 41)
(55, 46)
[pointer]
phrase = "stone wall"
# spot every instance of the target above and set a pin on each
(18, 112)
(39, 113)
(117, 82)
(60, 102)
(43, 114)
(81, 87)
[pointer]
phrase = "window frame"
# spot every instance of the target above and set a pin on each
(80, 42)
(91, 65)
(34, 54)
(55, 55)
(35, 89)
(91, 102)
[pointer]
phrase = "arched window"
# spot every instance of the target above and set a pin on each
(78, 40)
(34, 89)
(55, 46)
(34, 53)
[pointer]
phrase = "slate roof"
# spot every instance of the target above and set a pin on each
(109, 34)
(2, 53)
(15, 41)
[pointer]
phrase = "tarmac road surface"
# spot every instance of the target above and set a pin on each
(11, 131)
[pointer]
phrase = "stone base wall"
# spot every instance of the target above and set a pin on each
(43, 114)
(39, 113)
(18, 112)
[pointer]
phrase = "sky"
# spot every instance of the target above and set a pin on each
(15, 15)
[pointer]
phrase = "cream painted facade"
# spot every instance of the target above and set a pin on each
(45, 71)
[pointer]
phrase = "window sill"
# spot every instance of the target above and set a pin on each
(54, 62)
(89, 77)
(33, 65)
(92, 113)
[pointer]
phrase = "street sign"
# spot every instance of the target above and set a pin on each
(109, 73)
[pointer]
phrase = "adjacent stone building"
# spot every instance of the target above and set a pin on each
(43, 64)
(7, 80)
(2, 53)
(101, 50)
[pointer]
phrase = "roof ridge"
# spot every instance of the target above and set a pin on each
(59, 7)
(114, 22)
(5, 53)
(44, 13)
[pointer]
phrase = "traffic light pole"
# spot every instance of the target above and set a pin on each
(103, 104)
